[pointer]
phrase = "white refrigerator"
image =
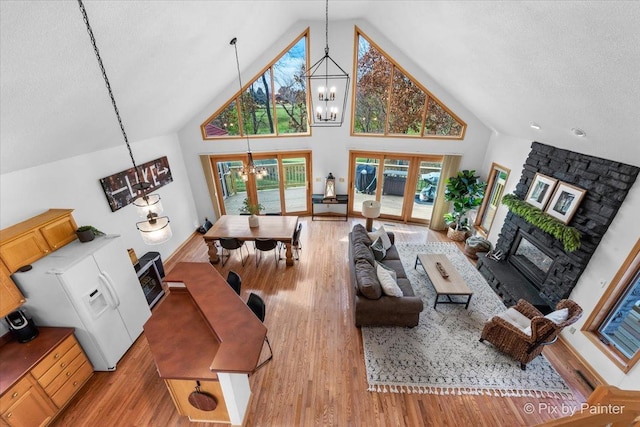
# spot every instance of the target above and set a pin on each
(92, 287)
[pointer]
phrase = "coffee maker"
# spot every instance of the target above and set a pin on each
(21, 326)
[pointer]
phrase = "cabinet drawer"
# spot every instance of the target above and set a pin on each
(63, 376)
(73, 384)
(53, 358)
(14, 393)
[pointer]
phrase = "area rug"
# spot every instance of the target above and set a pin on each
(442, 355)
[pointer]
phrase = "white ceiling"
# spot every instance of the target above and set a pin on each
(562, 64)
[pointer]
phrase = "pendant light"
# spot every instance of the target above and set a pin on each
(250, 167)
(328, 85)
(155, 229)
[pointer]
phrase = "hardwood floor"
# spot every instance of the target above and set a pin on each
(317, 376)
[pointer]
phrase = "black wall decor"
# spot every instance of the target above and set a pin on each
(117, 187)
(606, 183)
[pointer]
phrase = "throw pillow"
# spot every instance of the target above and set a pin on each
(558, 316)
(389, 286)
(389, 269)
(368, 283)
(379, 252)
(382, 233)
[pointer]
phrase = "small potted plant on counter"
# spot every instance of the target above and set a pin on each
(87, 233)
(252, 209)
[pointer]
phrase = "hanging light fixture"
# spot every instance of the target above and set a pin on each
(155, 229)
(328, 87)
(250, 167)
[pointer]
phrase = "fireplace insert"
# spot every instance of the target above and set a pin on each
(531, 258)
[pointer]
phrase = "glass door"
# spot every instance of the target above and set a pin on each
(268, 186)
(365, 181)
(295, 171)
(497, 179)
(394, 184)
(427, 176)
(232, 190)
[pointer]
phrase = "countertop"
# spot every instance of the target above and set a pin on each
(203, 328)
(17, 359)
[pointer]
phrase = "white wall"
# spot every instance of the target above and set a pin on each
(330, 146)
(74, 183)
(613, 249)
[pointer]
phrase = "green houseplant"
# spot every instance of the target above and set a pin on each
(252, 209)
(466, 192)
(87, 233)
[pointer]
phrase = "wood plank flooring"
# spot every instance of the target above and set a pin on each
(317, 376)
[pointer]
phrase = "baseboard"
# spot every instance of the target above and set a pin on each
(591, 372)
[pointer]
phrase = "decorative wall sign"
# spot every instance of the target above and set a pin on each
(117, 187)
(565, 201)
(540, 190)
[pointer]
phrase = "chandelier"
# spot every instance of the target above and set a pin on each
(326, 78)
(154, 229)
(250, 168)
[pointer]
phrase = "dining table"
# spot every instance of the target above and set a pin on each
(276, 227)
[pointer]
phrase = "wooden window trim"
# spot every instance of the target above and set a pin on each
(237, 94)
(395, 66)
(486, 201)
(615, 291)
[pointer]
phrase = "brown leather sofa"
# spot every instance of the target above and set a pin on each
(372, 307)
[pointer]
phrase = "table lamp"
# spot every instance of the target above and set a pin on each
(370, 210)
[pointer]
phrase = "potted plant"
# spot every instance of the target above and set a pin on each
(87, 233)
(252, 209)
(466, 191)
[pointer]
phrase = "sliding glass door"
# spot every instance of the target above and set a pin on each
(284, 189)
(405, 184)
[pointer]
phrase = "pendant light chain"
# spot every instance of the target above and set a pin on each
(326, 28)
(235, 47)
(106, 82)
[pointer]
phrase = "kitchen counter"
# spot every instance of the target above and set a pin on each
(17, 359)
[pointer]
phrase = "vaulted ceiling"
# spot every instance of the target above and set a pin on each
(560, 64)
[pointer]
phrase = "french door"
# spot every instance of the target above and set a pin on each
(404, 184)
(283, 189)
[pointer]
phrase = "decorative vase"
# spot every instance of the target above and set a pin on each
(253, 221)
(86, 235)
(457, 235)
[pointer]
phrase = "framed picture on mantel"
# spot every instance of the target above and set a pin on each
(540, 190)
(565, 201)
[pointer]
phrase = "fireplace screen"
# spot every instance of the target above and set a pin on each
(530, 260)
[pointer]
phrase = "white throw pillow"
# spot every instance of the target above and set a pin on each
(558, 316)
(389, 286)
(517, 319)
(382, 233)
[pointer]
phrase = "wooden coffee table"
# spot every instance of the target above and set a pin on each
(453, 284)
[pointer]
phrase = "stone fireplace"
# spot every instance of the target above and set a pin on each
(539, 269)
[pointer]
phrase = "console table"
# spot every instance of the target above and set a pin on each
(318, 199)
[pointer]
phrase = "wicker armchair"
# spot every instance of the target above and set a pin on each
(512, 340)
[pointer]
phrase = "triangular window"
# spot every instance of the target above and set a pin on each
(274, 103)
(388, 101)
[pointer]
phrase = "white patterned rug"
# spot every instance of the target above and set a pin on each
(442, 355)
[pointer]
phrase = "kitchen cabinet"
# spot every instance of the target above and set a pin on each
(39, 378)
(180, 391)
(28, 241)
(10, 296)
(26, 404)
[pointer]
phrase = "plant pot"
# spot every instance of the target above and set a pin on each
(253, 221)
(85, 236)
(457, 235)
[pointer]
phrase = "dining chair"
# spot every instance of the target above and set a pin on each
(256, 304)
(232, 244)
(234, 280)
(295, 242)
(266, 245)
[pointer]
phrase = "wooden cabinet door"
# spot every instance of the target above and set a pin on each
(180, 391)
(60, 232)
(30, 407)
(24, 250)
(10, 296)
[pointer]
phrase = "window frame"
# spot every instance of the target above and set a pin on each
(428, 95)
(236, 96)
(621, 282)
